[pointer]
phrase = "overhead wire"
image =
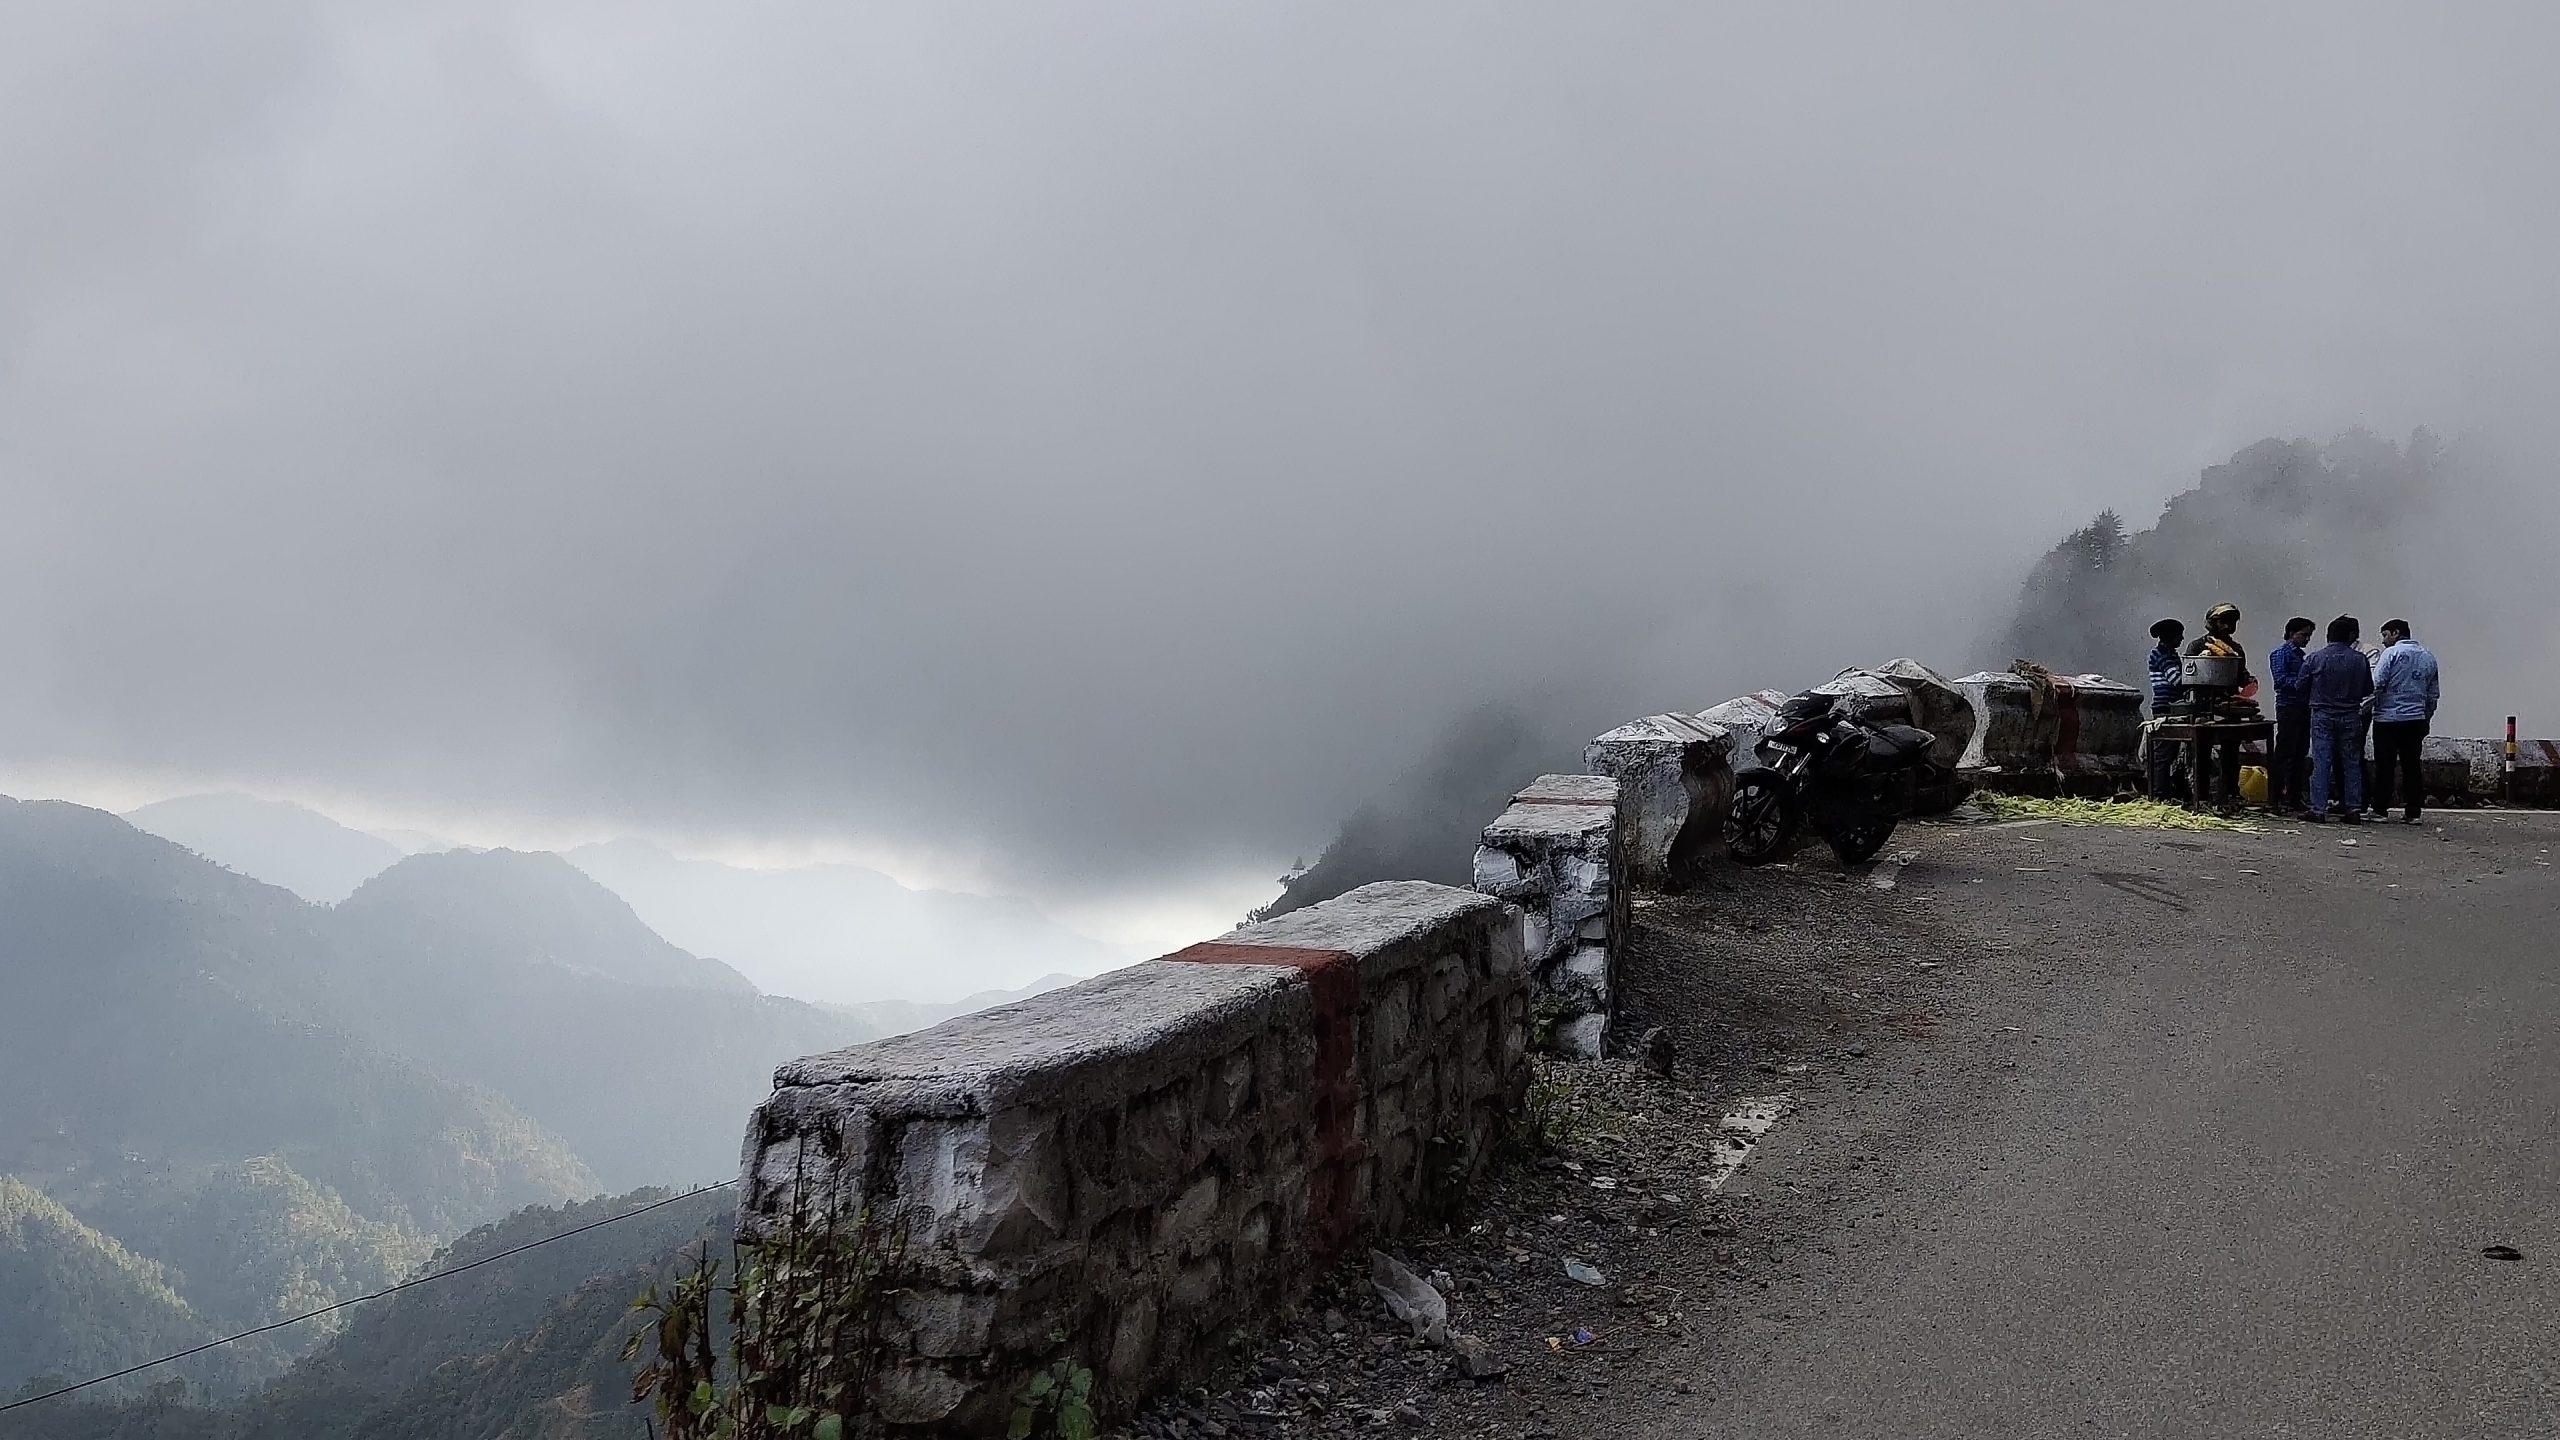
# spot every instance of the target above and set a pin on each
(411, 1283)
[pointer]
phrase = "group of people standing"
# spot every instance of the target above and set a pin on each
(2326, 702)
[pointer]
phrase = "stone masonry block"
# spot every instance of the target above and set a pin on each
(1562, 845)
(1230, 1088)
(1675, 777)
(1583, 1037)
(944, 1323)
(1192, 1210)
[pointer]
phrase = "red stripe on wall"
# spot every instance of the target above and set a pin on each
(2066, 734)
(1334, 1201)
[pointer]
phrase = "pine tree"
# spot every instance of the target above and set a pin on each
(2101, 541)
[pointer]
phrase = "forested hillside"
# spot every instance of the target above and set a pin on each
(221, 1105)
(74, 1303)
(525, 1349)
(237, 1134)
(2361, 525)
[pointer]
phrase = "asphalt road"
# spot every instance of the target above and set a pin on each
(2184, 1151)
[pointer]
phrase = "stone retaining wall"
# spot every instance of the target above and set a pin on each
(1675, 780)
(1143, 1162)
(2080, 736)
(2464, 768)
(1557, 853)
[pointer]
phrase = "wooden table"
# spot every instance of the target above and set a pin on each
(2200, 736)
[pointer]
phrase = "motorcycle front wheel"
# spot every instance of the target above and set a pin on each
(1761, 820)
(1861, 842)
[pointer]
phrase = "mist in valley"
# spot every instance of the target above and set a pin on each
(1094, 458)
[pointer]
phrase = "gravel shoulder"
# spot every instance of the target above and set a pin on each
(2079, 1130)
(1795, 984)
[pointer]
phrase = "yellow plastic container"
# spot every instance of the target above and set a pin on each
(2253, 784)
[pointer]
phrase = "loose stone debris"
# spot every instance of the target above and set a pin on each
(1770, 973)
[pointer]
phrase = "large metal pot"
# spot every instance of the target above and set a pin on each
(2211, 672)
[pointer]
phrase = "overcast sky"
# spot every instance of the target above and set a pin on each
(1083, 446)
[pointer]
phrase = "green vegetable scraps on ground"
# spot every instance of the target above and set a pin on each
(2143, 814)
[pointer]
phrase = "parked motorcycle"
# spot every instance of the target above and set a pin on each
(1850, 780)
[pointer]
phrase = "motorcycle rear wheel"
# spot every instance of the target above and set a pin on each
(1761, 822)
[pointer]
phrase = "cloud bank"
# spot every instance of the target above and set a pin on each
(1105, 441)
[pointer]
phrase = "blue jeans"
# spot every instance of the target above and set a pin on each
(2337, 760)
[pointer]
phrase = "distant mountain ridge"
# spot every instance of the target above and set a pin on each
(840, 934)
(837, 934)
(155, 1005)
(902, 1017)
(268, 1105)
(539, 909)
(277, 841)
(165, 1023)
(519, 970)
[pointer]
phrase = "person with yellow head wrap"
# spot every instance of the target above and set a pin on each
(2222, 637)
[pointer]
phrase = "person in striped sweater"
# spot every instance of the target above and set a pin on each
(2167, 670)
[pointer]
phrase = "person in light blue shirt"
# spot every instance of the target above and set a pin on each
(2406, 687)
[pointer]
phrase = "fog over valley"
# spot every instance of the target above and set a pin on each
(1091, 456)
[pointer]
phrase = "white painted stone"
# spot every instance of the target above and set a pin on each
(1938, 705)
(1584, 1037)
(1565, 836)
(1675, 777)
(2004, 737)
(1508, 958)
(1568, 790)
(1583, 977)
(1869, 697)
(1745, 717)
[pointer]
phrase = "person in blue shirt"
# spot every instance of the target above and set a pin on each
(2167, 672)
(2336, 684)
(2288, 766)
(2405, 691)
